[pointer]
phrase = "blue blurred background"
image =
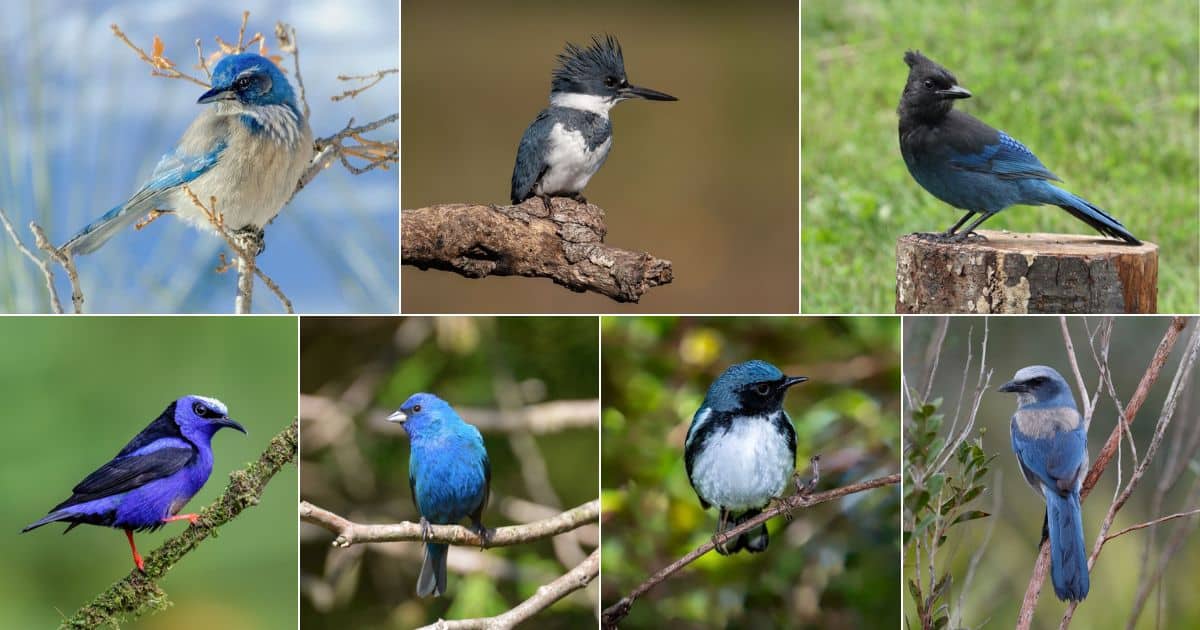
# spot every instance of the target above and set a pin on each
(82, 124)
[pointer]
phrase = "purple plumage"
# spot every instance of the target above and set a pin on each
(153, 477)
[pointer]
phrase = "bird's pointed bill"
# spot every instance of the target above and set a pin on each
(955, 91)
(231, 423)
(793, 380)
(633, 91)
(399, 416)
(216, 94)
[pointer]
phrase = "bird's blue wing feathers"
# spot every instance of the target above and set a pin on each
(531, 158)
(1006, 159)
(127, 473)
(1054, 461)
(173, 170)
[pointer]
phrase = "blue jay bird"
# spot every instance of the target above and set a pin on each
(972, 166)
(740, 451)
(567, 143)
(247, 150)
(1050, 440)
(150, 480)
(449, 475)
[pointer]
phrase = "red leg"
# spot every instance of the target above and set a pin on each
(191, 518)
(137, 558)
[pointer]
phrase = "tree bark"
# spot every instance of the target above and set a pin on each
(1025, 273)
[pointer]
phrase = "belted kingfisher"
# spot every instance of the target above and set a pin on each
(567, 143)
(740, 451)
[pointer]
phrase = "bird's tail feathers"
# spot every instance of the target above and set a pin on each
(1083, 210)
(1068, 553)
(433, 571)
(46, 520)
(97, 233)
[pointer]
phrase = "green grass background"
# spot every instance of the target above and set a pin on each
(1105, 93)
(75, 391)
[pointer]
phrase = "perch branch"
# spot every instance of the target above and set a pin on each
(41, 263)
(615, 613)
(564, 244)
(139, 593)
(547, 594)
(351, 533)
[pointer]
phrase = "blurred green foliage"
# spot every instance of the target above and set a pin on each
(76, 390)
(362, 471)
(835, 565)
(1106, 93)
(994, 595)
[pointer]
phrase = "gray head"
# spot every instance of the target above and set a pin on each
(931, 89)
(754, 387)
(598, 70)
(1040, 385)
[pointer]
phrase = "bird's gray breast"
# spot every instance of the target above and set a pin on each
(574, 149)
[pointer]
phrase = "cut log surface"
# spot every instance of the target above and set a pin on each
(1006, 272)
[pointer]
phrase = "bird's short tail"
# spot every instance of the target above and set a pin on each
(1081, 209)
(754, 541)
(1068, 555)
(433, 571)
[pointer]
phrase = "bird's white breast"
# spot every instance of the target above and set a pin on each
(745, 466)
(570, 163)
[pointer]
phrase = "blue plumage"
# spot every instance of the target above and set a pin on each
(153, 477)
(1049, 438)
(449, 475)
(569, 141)
(971, 166)
(247, 151)
(740, 450)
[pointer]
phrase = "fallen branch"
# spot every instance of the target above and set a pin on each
(615, 613)
(564, 244)
(351, 533)
(139, 593)
(547, 594)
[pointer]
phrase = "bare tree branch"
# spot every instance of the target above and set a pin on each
(55, 304)
(564, 243)
(1152, 523)
(351, 533)
(574, 580)
(139, 593)
(615, 613)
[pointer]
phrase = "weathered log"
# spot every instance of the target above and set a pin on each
(564, 244)
(1005, 272)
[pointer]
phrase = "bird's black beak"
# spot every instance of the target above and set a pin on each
(954, 91)
(1012, 386)
(231, 423)
(217, 94)
(633, 91)
(788, 381)
(399, 416)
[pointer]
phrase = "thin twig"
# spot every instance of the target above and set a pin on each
(1152, 523)
(371, 79)
(41, 263)
(350, 533)
(63, 258)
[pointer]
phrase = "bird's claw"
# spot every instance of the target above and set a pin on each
(252, 238)
(485, 535)
(426, 530)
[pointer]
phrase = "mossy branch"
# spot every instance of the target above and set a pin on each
(138, 593)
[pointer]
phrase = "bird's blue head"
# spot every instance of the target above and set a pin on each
(201, 416)
(249, 80)
(598, 72)
(423, 413)
(1039, 385)
(754, 387)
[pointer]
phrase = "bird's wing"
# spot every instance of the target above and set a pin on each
(1064, 462)
(690, 450)
(1005, 158)
(174, 170)
(132, 471)
(531, 159)
(487, 486)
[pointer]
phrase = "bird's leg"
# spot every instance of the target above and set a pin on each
(969, 231)
(546, 201)
(190, 518)
(579, 197)
(722, 521)
(137, 557)
(954, 228)
(806, 488)
(426, 532)
(252, 238)
(154, 214)
(483, 532)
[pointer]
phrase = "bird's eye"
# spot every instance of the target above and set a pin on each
(200, 410)
(416, 408)
(762, 389)
(610, 82)
(929, 83)
(242, 83)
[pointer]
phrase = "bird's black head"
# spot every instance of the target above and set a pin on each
(931, 89)
(598, 71)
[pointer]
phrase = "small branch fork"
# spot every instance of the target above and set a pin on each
(357, 153)
(350, 533)
(615, 613)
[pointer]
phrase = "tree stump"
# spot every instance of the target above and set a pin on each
(1025, 273)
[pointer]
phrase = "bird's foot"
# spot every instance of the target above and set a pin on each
(579, 198)
(252, 239)
(190, 518)
(964, 237)
(547, 202)
(485, 534)
(719, 546)
(805, 488)
(150, 218)
(426, 530)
